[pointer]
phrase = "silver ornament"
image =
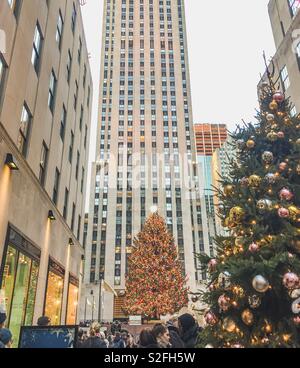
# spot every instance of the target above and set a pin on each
(240, 144)
(270, 178)
(264, 205)
(294, 294)
(270, 117)
(268, 157)
(254, 301)
(260, 284)
(229, 324)
(224, 280)
(296, 306)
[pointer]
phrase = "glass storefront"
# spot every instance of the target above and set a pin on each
(72, 301)
(19, 276)
(54, 294)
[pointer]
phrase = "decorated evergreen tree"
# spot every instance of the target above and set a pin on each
(155, 284)
(254, 290)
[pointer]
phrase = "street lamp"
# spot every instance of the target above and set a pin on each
(11, 162)
(92, 293)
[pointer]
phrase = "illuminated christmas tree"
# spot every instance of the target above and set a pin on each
(155, 284)
(254, 289)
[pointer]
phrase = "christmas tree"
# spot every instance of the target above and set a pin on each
(155, 284)
(254, 290)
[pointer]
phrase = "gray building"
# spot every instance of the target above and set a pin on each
(146, 157)
(285, 22)
(45, 115)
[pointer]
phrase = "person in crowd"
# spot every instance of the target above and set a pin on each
(147, 340)
(2, 320)
(43, 321)
(110, 339)
(161, 335)
(120, 341)
(188, 330)
(80, 339)
(5, 338)
(94, 341)
(103, 337)
(175, 339)
(130, 342)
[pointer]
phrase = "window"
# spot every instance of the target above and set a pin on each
(56, 186)
(37, 48)
(3, 68)
(285, 78)
(63, 123)
(43, 164)
(59, 29)
(294, 6)
(69, 65)
(52, 90)
(15, 6)
(66, 202)
(71, 147)
(74, 16)
(24, 130)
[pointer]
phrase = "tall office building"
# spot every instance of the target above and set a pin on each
(285, 22)
(221, 160)
(45, 115)
(209, 138)
(145, 145)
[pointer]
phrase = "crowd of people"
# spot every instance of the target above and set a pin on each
(181, 332)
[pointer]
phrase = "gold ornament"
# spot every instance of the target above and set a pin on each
(272, 136)
(273, 105)
(250, 143)
(298, 169)
(294, 212)
(228, 190)
(280, 114)
(287, 121)
(274, 126)
(238, 291)
(254, 181)
(236, 214)
(229, 324)
(248, 317)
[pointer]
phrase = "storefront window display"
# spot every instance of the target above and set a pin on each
(54, 294)
(19, 276)
(72, 301)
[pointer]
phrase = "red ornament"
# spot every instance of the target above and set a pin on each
(296, 320)
(280, 135)
(253, 248)
(290, 280)
(283, 166)
(283, 212)
(224, 302)
(210, 318)
(285, 194)
(278, 97)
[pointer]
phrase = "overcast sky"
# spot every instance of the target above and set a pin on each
(226, 40)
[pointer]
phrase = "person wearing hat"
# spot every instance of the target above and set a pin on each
(43, 321)
(5, 338)
(188, 330)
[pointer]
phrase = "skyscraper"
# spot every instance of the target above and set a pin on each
(285, 21)
(145, 147)
(209, 138)
(45, 115)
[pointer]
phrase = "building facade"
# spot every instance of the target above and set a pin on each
(209, 138)
(145, 148)
(285, 22)
(45, 115)
(221, 160)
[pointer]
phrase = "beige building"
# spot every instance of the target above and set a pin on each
(285, 21)
(146, 157)
(45, 113)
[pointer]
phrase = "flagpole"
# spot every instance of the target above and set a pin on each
(100, 306)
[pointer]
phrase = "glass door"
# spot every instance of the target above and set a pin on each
(19, 285)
